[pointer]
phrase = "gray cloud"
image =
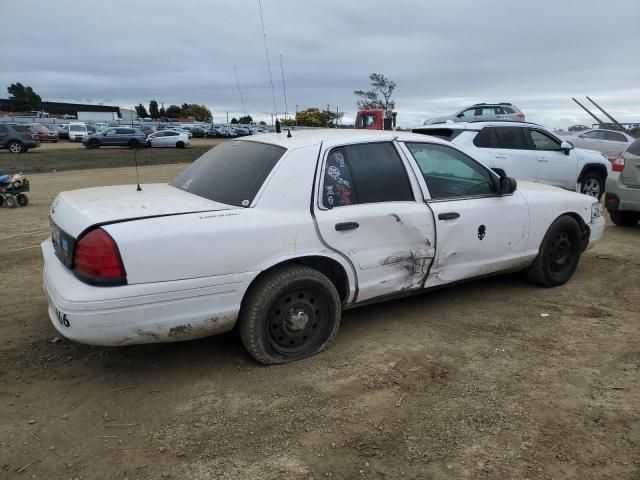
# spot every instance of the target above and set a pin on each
(443, 55)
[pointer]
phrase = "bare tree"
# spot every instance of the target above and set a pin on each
(379, 96)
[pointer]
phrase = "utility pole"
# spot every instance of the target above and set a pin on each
(227, 118)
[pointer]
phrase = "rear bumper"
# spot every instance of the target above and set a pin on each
(145, 313)
(620, 196)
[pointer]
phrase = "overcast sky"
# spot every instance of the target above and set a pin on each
(442, 55)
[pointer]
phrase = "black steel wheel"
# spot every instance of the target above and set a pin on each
(559, 254)
(289, 314)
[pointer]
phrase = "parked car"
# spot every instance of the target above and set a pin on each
(18, 138)
(168, 138)
(62, 131)
(578, 128)
(116, 137)
(215, 132)
(530, 152)
(77, 131)
(608, 142)
(622, 199)
(278, 235)
(44, 133)
(147, 129)
(197, 132)
(482, 111)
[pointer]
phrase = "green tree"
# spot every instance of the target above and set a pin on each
(174, 111)
(153, 109)
(141, 111)
(234, 120)
(23, 99)
(379, 96)
(199, 112)
(246, 119)
(312, 117)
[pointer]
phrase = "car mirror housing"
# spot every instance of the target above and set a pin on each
(566, 147)
(508, 185)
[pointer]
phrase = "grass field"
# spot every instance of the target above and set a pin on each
(50, 158)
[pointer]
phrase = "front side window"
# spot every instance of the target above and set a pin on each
(450, 173)
(469, 112)
(511, 138)
(230, 173)
(595, 135)
(542, 141)
(110, 131)
(488, 111)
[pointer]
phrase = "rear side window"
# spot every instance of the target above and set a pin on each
(365, 173)
(615, 137)
(511, 138)
(486, 138)
(508, 110)
(634, 148)
(22, 128)
(124, 131)
(230, 173)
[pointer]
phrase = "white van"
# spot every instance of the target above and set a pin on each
(77, 131)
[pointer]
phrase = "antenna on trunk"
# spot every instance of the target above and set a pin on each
(135, 159)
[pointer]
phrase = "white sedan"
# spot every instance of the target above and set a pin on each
(168, 138)
(608, 142)
(277, 235)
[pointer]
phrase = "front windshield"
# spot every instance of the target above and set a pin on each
(77, 128)
(230, 173)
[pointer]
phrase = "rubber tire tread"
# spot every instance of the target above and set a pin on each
(537, 271)
(258, 301)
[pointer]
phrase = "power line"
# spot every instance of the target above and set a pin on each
(240, 91)
(264, 36)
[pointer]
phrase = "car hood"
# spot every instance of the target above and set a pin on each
(77, 210)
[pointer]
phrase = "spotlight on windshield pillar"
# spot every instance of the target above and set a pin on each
(278, 129)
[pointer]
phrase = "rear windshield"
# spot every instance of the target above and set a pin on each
(634, 148)
(230, 173)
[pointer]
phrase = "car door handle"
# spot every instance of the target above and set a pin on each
(346, 226)
(543, 160)
(448, 216)
(501, 157)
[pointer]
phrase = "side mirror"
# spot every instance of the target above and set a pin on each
(508, 185)
(460, 115)
(566, 147)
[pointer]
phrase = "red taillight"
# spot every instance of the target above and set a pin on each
(617, 164)
(520, 116)
(97, 258)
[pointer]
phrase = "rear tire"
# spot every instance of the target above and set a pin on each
(592, 184)
(559, 254)
(16, 147)
(289, 314)
(180, 145)
(624, 218)
(22, 200)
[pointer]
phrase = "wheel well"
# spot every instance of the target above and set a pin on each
(594, 167)
(327, 266)
(584, 228)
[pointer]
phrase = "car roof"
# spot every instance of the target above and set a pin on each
(478, 124)
(304, 138)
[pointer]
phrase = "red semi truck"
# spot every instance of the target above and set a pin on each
(374, 119)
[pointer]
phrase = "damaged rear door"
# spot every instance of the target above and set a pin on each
(371, 210)
(478, 230)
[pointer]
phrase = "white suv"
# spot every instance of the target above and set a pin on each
(530, 152)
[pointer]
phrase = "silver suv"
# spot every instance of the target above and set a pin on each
(529, 152)
(622, 199)
(482, 111)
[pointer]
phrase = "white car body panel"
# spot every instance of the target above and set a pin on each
(158, 139)
(189, 261)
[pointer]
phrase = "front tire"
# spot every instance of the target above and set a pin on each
(10, 201)
(289, 314)
(559, 254)
(592, 184)
(624, 219)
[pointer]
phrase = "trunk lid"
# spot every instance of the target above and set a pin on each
(75, 211)
(631, 172)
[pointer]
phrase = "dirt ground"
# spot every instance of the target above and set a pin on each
(472, 381)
